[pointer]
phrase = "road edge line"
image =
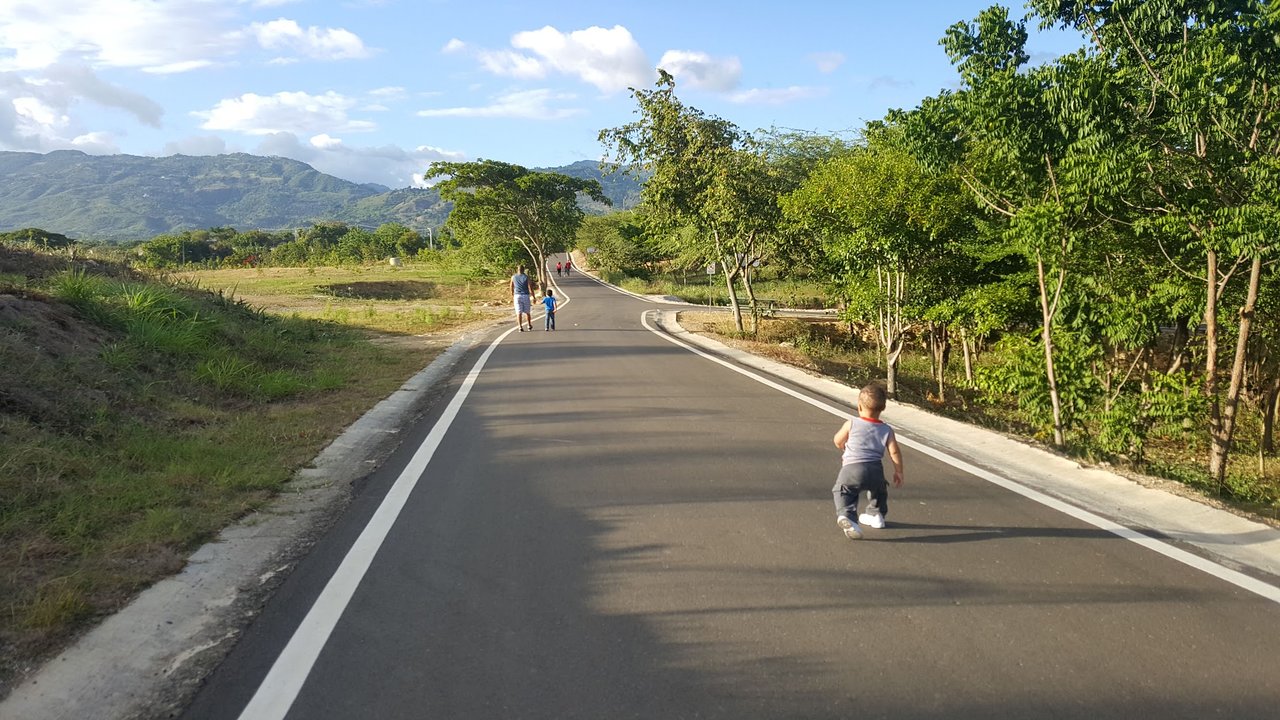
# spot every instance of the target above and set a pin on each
(1234, 577)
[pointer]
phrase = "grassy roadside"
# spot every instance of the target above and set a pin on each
(139, 417)
(1174, 459)
(407, 300)
(703, 290)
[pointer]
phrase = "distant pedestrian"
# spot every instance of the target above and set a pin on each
(521, 289)
(568, 265)
(558, 268)
(863, 441)
(549, 302)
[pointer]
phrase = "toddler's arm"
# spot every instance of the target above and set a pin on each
(842, 435)
(896, 456)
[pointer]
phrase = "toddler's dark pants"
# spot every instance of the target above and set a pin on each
(855, 479)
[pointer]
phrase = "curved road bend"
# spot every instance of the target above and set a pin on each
(614, 527)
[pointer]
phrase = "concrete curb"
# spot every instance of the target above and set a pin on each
(1236, 542)
(148, 659)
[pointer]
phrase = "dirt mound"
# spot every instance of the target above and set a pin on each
(39, 265)
(36, 333)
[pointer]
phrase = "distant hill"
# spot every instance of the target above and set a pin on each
(118, 198)
(621, 188)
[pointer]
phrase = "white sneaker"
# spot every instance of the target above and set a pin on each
(850, 528)
(876, 521)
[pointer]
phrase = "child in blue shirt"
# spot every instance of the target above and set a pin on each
(550, 302)
(863, 441)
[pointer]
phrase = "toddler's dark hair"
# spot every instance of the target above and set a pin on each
(873, 398)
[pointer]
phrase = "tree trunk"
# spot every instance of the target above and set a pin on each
(931, 347)
(1216, 457)
(891, 371)
(1181, 335)
(751, 299)
(1270, 406)
(733, 297)
(1046, 335)
(942, 347)
(968, 358)
(890, 330)
(1225, 430)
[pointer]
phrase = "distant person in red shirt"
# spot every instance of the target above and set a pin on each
(568, 265)
(559, 266)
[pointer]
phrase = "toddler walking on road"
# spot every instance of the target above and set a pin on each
(863, 441)
(550, 303)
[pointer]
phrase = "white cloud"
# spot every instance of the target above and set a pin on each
(178, 67)
(70, 82)
(36, 111)
(389, 93)
(197, 145)
(95, 143)
(609, 59)
(113, 33)
(386, 165)
(324, 142)
(30, 123)
(313, 42)
(775, 96)
(530, 104)
(827, 62)
(512, 64)
(290, 112)
(701, 71)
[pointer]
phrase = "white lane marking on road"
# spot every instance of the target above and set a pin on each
(1239, 579)
(280, 688)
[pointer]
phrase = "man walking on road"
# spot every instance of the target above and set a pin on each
(521, 287)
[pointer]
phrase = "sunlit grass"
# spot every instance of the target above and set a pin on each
(171, 409)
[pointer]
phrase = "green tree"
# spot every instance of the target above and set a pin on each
(617, 243)
(711, 193)
(537, 210)
(1200, 83)
(1023, 140)
(886, 223)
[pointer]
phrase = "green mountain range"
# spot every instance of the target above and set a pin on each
(119, 198)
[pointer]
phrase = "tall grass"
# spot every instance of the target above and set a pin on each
(167, 412)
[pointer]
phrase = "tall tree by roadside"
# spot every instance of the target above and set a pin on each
(1014, 136)
(883, 220)
(536, 210)
(1204, 83)
(706, 176)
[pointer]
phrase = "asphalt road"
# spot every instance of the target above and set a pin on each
(614, 527)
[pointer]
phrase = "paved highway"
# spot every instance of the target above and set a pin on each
(602, 524)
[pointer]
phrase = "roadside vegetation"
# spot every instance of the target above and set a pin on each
(1084, 251)
(142, 413)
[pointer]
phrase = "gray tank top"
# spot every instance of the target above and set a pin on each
(867, 441)
(522, 283)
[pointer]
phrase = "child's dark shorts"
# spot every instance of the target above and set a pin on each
(855, 479)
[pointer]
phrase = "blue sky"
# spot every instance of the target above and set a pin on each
(375, 90)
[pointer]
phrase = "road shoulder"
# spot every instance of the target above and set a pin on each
(148, 659)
